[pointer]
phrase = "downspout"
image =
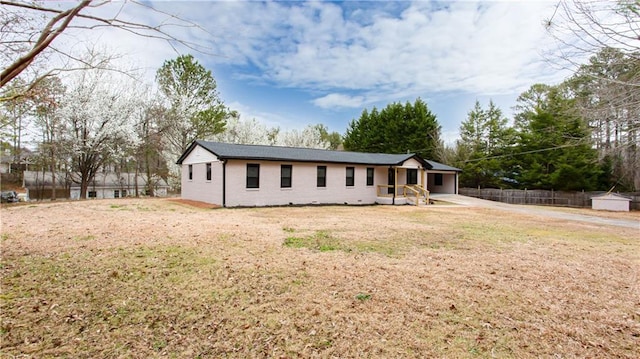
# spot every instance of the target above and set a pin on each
(224, 183)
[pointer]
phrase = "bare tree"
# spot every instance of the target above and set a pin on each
(149, 149)
(29, 30)
(247, 132)
(607, 98)
(46, 98)
(600, 41)
(253, 132)
(14, 116)
(582, 28)
(309, 137)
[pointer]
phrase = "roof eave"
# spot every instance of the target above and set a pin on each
(281, 159)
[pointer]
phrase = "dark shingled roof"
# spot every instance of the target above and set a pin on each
(437, 166)
(226, 151)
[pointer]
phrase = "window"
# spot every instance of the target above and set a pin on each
(253, 175)
(350, 176)
(190, 172)
(285, 176)
(116, 194)
(208, 171)
(124, 193)
(438, 179)
(92, 194)
(322, 176)
(369, 176)
(412, 176)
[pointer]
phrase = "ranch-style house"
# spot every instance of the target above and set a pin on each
(232, 175)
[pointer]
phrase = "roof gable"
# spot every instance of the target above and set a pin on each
(612, 197)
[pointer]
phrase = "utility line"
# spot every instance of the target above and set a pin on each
(523, 153)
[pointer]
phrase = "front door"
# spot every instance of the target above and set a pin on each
(392, 180)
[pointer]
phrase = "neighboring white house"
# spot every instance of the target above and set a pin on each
(39, 185)
(234, 175)
(610, 202)
(113, 185)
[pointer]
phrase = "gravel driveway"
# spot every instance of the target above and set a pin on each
(536, 211)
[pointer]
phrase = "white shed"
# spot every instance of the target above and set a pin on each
(610, 202)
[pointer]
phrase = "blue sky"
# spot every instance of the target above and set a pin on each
(291, 64)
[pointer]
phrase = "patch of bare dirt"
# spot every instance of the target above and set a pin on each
(158, 278)
(197, 204)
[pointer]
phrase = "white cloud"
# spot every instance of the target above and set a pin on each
(354, 54)
(334, 100)
(490, 48)
(483, 47)
(266, 118)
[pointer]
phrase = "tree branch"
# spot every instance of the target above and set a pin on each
(47, 35)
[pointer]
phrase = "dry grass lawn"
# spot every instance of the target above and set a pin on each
(160, 278)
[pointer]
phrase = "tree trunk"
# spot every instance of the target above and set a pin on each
(84, 185)
(53, 168)
(148, 170)
(83, 189)
(53, 184)
(135, 180)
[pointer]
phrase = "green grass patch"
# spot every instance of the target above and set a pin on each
(122, 207)
(88, 237)
(325, 241)
(321, 240)
(389, 248)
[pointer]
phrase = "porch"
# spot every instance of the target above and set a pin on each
(413, 190)
(413, 194)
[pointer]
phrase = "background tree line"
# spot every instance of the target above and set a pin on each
(582, 134)
(100, 117)
(110, 121)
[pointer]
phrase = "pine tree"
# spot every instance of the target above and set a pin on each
(555, 149)
(484, 138)
(395, 129)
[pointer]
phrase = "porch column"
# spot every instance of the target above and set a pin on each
(395, 182)
(426, 180)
